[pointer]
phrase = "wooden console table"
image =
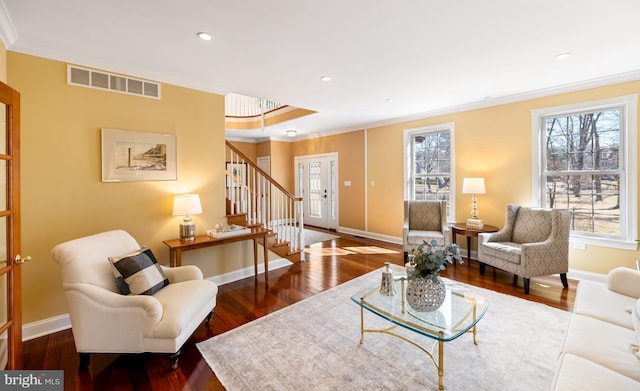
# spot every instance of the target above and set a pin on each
(177, 246)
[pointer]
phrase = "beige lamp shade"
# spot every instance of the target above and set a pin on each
(473, 186)
(187, 205)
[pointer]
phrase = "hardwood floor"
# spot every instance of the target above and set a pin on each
(243, 301)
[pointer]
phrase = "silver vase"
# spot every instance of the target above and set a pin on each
(426, 293)
(387, 287)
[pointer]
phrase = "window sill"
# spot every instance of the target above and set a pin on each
(578, 240)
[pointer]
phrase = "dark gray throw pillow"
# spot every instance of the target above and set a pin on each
(138, 273)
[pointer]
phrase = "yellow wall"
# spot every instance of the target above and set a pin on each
(248, 149)
(494, 143)
(263, 149)
(282, 164)
(3, 63)
(62, 194)
(350, 149)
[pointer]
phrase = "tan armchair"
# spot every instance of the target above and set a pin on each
(104, 320)
(533, 242)
(424, 220)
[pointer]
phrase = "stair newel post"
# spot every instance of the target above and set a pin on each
(300, 219)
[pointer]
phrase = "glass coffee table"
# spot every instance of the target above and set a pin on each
(459, 314)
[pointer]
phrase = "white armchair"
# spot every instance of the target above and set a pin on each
(424, 221)
(533, 242)
(105, 321)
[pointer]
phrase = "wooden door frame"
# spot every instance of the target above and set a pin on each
(11, 98)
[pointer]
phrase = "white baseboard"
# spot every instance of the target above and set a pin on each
(588, 276)
(371, 235)
(62, 322)
(46, 326)
(248, 271)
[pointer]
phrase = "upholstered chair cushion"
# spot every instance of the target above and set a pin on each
(424, 220)
(532, 225)
(596, 301)
(603, 343)
(505, 251)
(425, 216)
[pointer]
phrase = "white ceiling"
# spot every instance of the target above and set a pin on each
(427, 55)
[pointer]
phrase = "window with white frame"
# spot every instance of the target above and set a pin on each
(582, 154)
(428, 156)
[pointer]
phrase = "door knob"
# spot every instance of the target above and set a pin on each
(20, 260)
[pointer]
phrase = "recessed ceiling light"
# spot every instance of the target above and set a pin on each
(563, 56)
(205, 36)
(390, 100)
(325, 78)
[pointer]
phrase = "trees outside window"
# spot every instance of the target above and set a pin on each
(584, 151)
(428, 157)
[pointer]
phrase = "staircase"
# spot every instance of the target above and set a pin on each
(255, 199)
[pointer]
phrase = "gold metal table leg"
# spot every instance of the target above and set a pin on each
(475, 341)
(361, 325)
(441, 362)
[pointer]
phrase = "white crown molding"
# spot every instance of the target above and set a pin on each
(563, 89)
(567, 88)
(8, 33)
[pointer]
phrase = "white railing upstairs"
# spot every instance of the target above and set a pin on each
(265, 202)
(236, 105)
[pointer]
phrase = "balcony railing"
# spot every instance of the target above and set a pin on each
(241, 106)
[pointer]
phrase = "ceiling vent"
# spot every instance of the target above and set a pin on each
(108, 81)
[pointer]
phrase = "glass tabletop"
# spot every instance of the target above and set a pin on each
(461, 310)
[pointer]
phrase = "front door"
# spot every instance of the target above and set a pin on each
(317, 179)
(10, 260)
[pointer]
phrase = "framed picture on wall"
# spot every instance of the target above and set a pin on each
(236, 174)
(138, 156)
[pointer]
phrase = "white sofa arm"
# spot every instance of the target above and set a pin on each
(625, 281)
(182, 273)
(116, 301)
(124, 321)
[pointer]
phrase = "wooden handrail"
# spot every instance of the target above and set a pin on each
(257, 115)
(253, 193)
(267, 176)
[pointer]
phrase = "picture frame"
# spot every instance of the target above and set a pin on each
(129, 156)
(238, 170)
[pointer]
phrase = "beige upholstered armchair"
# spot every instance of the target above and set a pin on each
(533, 242)
(424, 220)
(104, 320)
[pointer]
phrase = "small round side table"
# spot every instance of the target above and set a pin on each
(461, 229)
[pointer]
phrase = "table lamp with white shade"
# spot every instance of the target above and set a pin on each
(474, 186)
(187, 205)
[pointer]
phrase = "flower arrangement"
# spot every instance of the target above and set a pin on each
(428, 260)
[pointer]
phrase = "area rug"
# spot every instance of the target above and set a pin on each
(314, 345)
